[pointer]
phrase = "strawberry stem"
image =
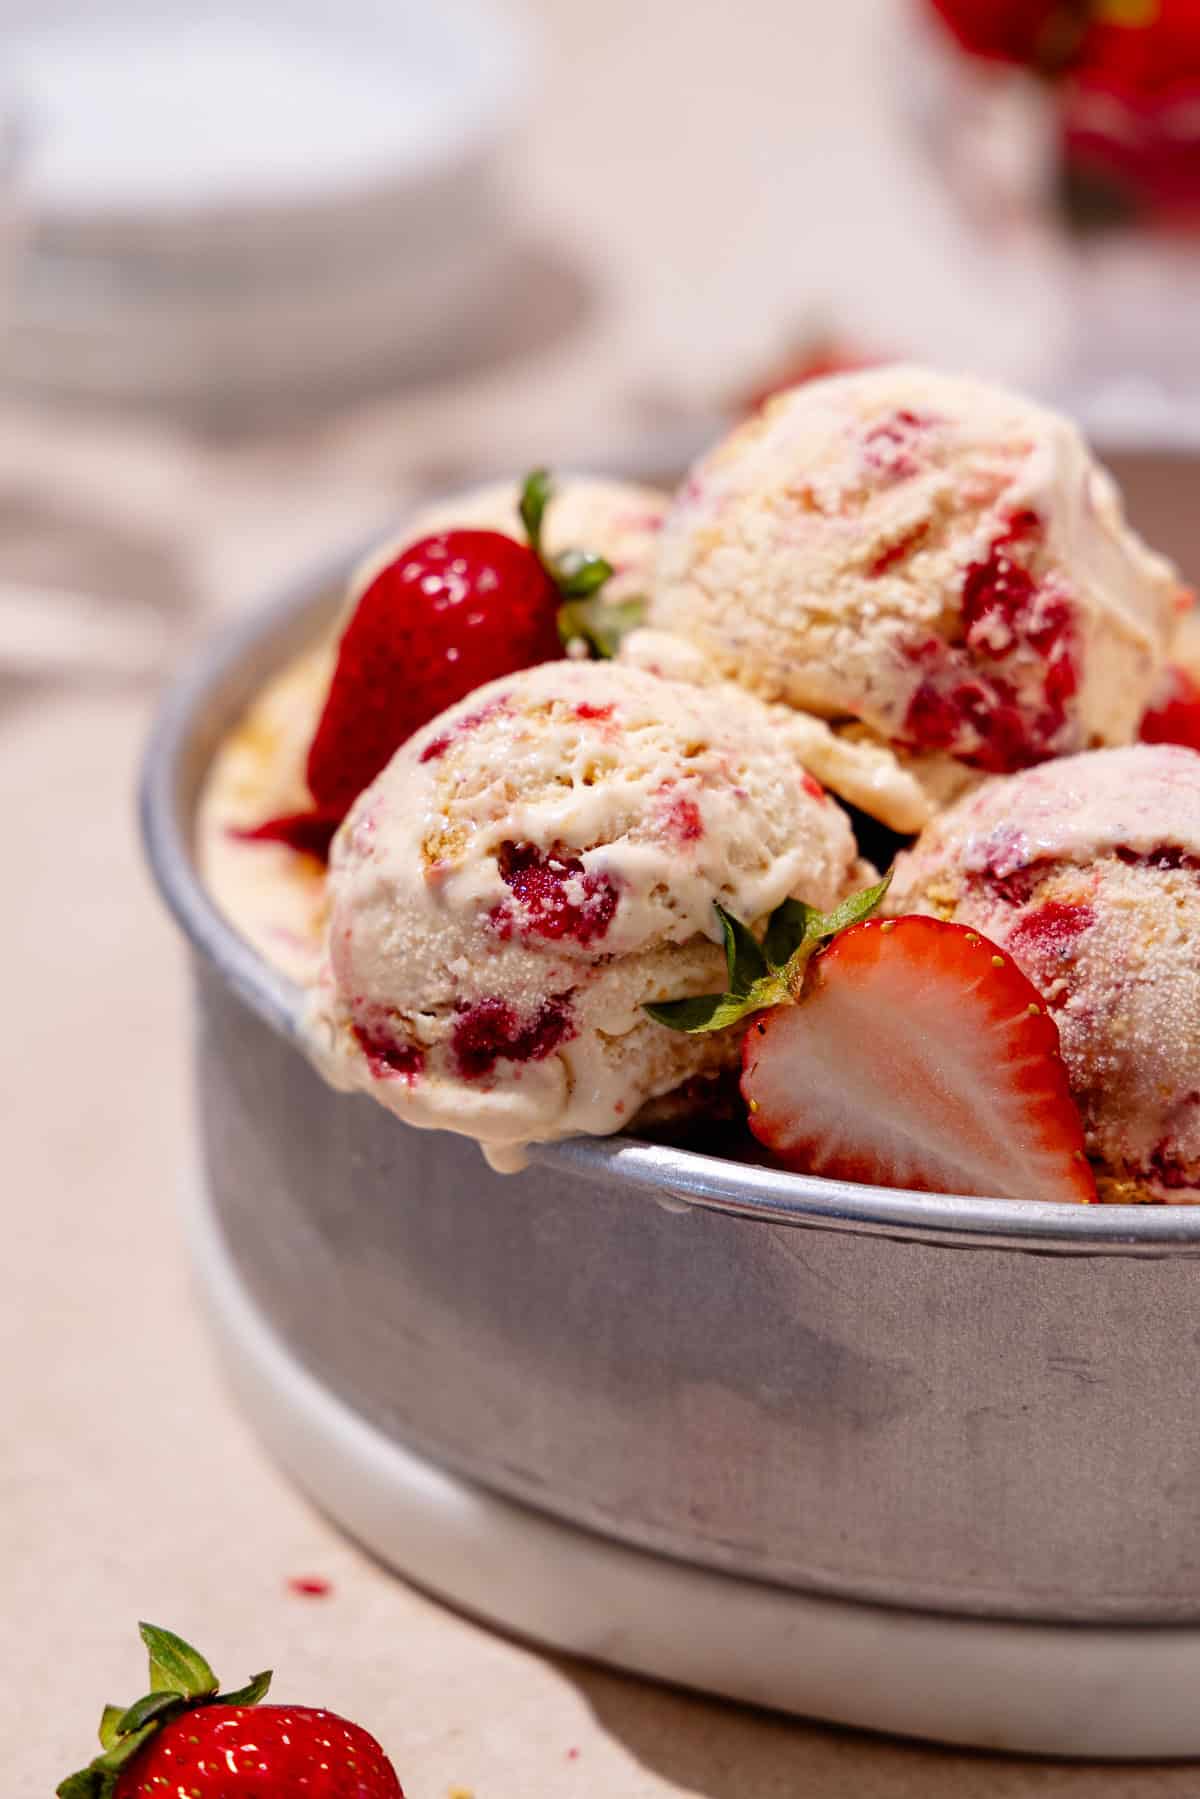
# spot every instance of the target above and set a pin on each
(536, 494)
(579, 575)
(180, 1681)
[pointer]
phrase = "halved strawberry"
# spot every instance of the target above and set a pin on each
(1173, 715)
(905, 1053)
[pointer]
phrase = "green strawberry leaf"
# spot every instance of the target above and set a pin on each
(752, 985)
(256, 1688)
(578, 574)
(819, 927)
(181, 1680)
(89, 1783)
(124, 1750)
(175, 1667)
(766, 974)
(851, 911)
(708, 1012)
(98, 1780)
(156, 1707)
(536, 494)
(787, 929)
(110, 1720)
(601, 623)
(744, 959)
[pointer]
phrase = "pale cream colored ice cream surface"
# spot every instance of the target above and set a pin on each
(928, 555)
(1087, 871)
(530, 870)
(904, 791)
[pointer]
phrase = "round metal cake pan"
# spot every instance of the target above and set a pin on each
(972, 1407)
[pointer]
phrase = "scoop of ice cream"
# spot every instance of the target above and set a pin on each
(1087, 871)
(532, 868)
(904, 791)
(931, 557)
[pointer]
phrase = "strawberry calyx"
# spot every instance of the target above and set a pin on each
(180, 1681)
(584, 615)
(770, 973)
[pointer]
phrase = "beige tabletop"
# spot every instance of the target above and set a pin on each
(129, 1487)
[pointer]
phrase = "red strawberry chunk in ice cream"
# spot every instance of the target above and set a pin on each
(680, 816)
(1000, 698)
(388, 1057)
(556, 896)
(492, 1031)
(436, 748)
(1045, 941)
(891, 449)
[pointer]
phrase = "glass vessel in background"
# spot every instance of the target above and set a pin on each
(1086, 175)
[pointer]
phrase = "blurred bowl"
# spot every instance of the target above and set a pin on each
(226, 207)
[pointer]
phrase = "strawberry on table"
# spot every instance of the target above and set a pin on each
(185, 1740)
(904, 1052)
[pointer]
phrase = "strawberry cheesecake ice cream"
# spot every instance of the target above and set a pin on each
(530, 870)
(930, 564)
(1087, 872)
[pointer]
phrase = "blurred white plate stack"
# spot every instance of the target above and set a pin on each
(240, 203)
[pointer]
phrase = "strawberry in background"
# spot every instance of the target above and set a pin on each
(1127, 80)
(1038, 34)
(1131, 130)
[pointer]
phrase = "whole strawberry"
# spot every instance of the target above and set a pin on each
(447, 615)
(184, 1740)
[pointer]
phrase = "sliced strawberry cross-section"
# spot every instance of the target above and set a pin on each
(904, 1052)
(919, 1056)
